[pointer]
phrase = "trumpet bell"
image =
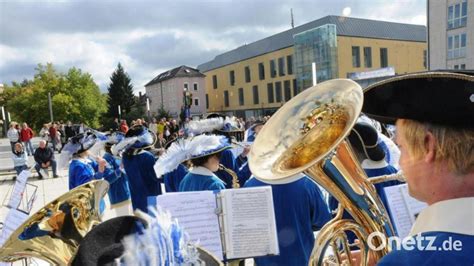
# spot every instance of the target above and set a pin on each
(55, 231)
(305, 130)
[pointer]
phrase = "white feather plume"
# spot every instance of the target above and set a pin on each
(205, 125)
(178, 152)
(117, 149)
(185, 149)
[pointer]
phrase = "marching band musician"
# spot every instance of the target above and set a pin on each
(297, 216)
(119, 191)
(82, 168)
(434, 113)
(365, 140)
(138, 164)
(204, 152)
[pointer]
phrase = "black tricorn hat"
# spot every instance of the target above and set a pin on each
(103, 244)
(365, 138)
(438, 97)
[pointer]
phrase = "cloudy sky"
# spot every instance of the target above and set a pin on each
(149, 37)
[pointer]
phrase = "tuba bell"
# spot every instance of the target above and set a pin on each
(307, 135)
(56, 230)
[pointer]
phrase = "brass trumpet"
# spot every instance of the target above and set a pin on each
(55, 231)
(307, 135)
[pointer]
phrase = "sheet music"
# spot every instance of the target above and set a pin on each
(13, 220)
(196, 213)
(403, 207)
(249, 222)
(18, 189)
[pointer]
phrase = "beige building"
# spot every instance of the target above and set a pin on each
(451, 34)
(258, 78)
(167, 90)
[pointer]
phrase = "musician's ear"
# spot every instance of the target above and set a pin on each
(430, 147)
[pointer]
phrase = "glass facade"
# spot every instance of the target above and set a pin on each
(316, 45)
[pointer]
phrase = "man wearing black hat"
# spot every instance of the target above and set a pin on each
(434, 114)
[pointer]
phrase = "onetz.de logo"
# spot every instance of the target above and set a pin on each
(378, 241)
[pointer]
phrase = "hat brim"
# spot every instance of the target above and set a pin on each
(445, 98)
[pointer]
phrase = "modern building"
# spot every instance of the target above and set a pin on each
(259, 77)
(167, 91)
(451, 34)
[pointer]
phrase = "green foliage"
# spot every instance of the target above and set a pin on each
(120, 93)
(75, 97)
(162, 112)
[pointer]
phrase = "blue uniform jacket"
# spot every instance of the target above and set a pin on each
(199, 179)
(427, 256)
(142, 179)
(82, 171)
(119, 190)
(174, 178)
(238, 165)
(299, 209)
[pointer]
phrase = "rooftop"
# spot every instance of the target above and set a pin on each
(181, 71)
(345, 26)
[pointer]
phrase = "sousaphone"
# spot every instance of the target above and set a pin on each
(307, 135)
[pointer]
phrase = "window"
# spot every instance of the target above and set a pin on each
(232, 77)
(185, 86)
(255, 94)
(457, 46)
(273, 71)
(241, 96)
(207, 101)
(214, 82)
(367, 57)
(463, 66)
(195, 86)
(261, 71)
(383, 57)
(247, 74)
(278, 91)
(457, 15)
(226, 98)
(289, 64)
(271, 98)
(281, 66)
(196, 102)
(355, 56)
(456, 66)
(287, 85)
(295, 88)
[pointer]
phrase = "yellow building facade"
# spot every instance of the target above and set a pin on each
(260, 84)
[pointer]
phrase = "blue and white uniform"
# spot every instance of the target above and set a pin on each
(446, 221)
(299, 209)
(118, 190)
(83, 170)
(174, 178)
(142, 179)
(200, 178)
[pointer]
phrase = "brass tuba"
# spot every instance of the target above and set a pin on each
(307, 135)
(55, 231)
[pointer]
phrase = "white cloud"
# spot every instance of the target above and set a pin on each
(149, 39)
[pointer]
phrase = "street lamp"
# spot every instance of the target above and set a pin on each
(119, 113)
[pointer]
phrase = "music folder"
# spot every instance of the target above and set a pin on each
(231, 223)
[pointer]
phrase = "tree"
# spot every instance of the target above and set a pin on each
(74, 95)
(120, 93)
(163, 113)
